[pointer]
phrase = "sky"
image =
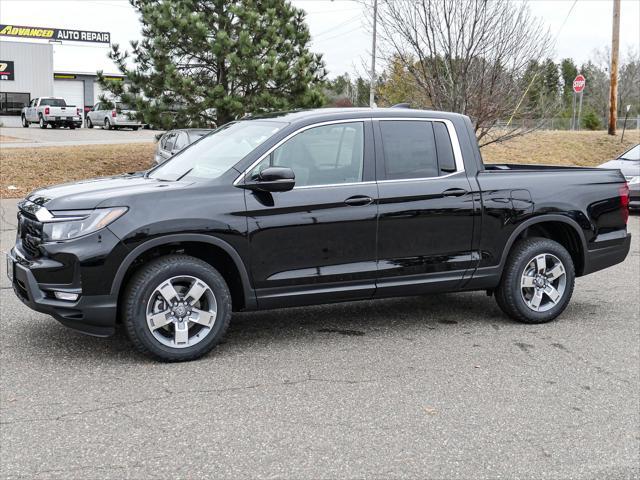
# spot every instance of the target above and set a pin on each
(339, 28)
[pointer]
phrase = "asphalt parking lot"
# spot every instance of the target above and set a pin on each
(440, 387)
(34, 137)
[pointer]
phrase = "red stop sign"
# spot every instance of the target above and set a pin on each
(579, 83)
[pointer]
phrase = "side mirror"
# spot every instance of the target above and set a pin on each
(272, 179)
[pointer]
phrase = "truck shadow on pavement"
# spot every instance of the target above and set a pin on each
(442, 314)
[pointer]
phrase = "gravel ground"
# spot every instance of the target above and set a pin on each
(440, 387)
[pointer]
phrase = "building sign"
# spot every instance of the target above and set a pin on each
(7, 71)
(64, 76)
(59, 34)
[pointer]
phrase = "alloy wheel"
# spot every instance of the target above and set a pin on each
(543, 282)
(181, 311)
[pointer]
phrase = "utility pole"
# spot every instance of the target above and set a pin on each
(613, 89)
(372, 83)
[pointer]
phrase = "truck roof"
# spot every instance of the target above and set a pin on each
(328, 114)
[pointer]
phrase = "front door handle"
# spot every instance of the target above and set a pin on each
(359, 201)
(454, 192)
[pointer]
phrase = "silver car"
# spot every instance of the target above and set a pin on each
(173, 141)
(112, 115)
(629, 165)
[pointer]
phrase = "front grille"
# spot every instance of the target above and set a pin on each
(30, 231)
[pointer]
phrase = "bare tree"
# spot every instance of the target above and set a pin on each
(468, 56)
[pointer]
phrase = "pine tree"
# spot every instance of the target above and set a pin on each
(551, 79)
(205, 61)
(568, 71)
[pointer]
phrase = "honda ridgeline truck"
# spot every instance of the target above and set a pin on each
(312, 207)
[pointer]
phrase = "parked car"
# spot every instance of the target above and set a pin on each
(51, 111)
(112, 115)
(629, 165)
(173, 141)
(312, 207)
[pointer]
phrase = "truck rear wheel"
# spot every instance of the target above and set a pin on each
(176, 308)
(41, 122)
(537, 281)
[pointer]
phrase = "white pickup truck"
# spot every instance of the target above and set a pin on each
(51, 111)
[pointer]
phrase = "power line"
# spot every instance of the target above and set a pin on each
(339, 35)
(340, 25)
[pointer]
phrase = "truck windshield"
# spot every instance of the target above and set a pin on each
(633, 154)
(53, 102)
(216, 153)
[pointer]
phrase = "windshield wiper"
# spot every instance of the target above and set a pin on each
(184, 175)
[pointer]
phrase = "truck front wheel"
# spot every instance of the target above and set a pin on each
(176, 308)
(25, 124)
(537, 281)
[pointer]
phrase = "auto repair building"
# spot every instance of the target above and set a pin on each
(27, 71)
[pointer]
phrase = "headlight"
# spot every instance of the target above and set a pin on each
(633, 180)
(74, 224)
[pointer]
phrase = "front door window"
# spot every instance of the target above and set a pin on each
(324, 155)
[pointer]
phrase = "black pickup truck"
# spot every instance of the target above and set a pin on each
(311, 207)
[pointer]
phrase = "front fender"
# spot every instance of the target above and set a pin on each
(249, 293)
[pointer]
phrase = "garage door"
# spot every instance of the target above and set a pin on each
(71, 90)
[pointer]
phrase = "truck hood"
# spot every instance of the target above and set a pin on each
(629, 168)
(108, 191)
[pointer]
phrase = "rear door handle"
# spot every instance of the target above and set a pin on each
(454, 192)
(359, 201)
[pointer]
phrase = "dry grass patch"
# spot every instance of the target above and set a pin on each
(31, 168)
(7, 138)
(560, 148)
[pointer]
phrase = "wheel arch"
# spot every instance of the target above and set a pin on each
(218, 253)
(559, 228)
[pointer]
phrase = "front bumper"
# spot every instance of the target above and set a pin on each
(84, 266)
(93, 315)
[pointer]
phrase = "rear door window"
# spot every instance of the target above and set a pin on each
(415, 149)
(409, 149)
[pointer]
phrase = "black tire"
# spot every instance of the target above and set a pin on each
(42, 123)
(142, 286)
(72, 127)
(135, 129)
(107, 124)
(509, 294)
(89, 123)
(25, 124)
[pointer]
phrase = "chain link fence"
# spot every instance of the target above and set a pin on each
(561, 123)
